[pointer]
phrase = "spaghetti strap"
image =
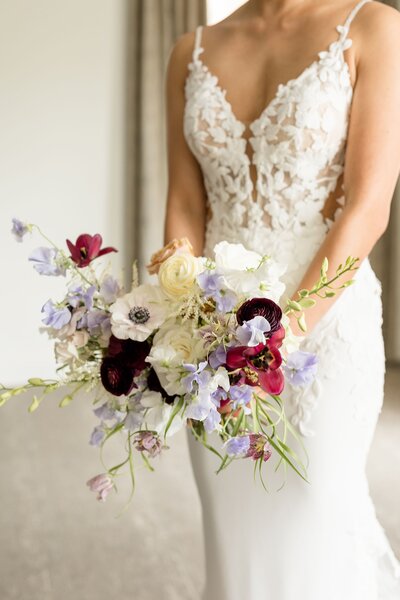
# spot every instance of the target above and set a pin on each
(344, 29)
(197, 44)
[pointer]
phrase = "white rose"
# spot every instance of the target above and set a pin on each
(138, 314)
(174, 345)
(177, 275)
(235, 257)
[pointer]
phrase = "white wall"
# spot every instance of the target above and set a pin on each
(61, 151)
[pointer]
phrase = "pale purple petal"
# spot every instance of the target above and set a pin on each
(217, 357)
(252, 332)
(300, 368)
(55, 317)
(238, 446)
(19, 229)
(44, 261)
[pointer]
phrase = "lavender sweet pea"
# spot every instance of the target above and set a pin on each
(213, 286)
(241, 396)
(45, 261)
(55, 317)
(238, 446)
(300, 368)
(98, 435)
(19, 229)
(217, 357)
(252, 332)
(197, 374)
(101, 484)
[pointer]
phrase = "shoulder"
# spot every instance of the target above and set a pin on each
(376, 27)
(182, 51)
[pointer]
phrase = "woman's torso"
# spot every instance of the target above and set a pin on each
(268, 182)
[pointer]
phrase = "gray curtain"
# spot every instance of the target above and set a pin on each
(153, 26)
(385, 259)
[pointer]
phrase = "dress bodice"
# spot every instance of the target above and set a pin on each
(298, 149)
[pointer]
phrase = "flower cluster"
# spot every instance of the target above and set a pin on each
(207, 346)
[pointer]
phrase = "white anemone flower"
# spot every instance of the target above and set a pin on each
(138, 314)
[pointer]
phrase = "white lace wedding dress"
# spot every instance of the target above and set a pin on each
(318, 540)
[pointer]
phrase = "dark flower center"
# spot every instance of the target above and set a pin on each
(139, 314)
(83, 251)
(262, 360)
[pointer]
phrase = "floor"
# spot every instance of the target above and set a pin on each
(58, 543)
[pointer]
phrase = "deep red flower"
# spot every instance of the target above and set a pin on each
(263, 307)
(124, 361)
(134, 353)
(117, 376)
(260, 365)
(87, 248)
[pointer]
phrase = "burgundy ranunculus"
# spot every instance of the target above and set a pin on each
(124, 361)
(263, 307)
(153, 383)
(260, 365)
(87, 248)
(135, 353)
(116, 375)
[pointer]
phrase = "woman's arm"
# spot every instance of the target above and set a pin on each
(372, 160)
(186, 199)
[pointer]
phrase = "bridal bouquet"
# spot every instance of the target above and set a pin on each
(205, 346)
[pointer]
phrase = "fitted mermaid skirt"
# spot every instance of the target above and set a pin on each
(319, 540)
(315, 540)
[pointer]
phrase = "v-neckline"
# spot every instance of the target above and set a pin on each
(281, 86)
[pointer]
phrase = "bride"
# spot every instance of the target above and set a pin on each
(284, 135)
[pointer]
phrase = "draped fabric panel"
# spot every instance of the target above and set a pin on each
(153, 27)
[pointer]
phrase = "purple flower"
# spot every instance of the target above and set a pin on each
(240, 395)
(98, 322)
(238, 446)
(259, 447)
(102, 484)
(213, 286)
(55, 317)
(45, 261)
(109, 289)
(105, 412)
(98, 435)
(78, 295)
(300, 368)
(146, 441)
(218, 396)
(217, 357)
(252, 332)
(212, 421)
(19, 229)
(197, 374)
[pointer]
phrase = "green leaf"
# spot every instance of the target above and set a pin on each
(348, 283)
(34, 404)
(307, 302)
(303, 293)
(325, 265)
(302, 323)
(294, 305)
(65, 401)
(36, 381)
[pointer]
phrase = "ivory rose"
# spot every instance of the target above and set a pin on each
(174, 247)
(177, 275)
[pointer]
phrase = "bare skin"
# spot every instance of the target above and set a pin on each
(268, 42)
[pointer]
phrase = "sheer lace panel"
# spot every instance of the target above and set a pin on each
(282, 173)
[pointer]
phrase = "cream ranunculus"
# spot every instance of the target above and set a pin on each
(177, 275)
(173, 346)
